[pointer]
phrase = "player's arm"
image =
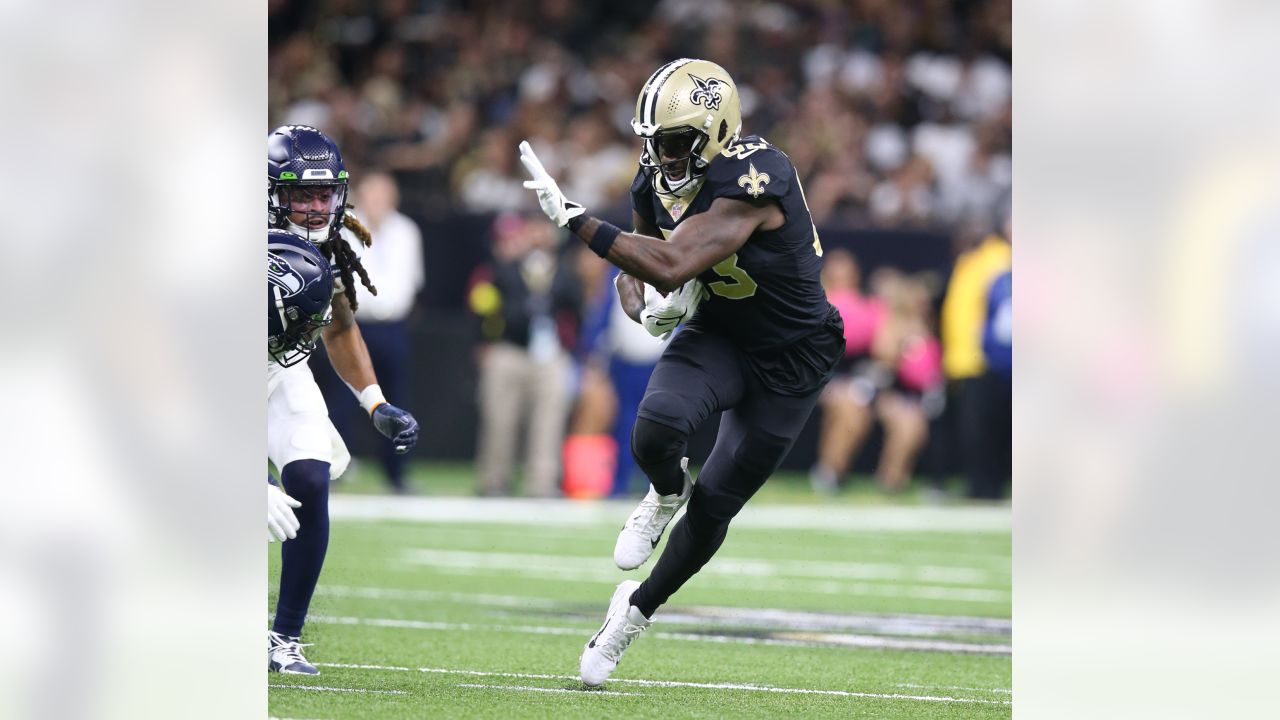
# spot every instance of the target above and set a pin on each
(350, 359)
(631, 289)
(345, 346)
(696, 244)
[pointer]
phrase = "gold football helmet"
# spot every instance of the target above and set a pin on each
(687, 112)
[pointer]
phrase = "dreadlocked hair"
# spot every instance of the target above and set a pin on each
(357, 227)
(340, 254)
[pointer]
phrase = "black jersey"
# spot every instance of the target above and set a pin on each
(767, 297)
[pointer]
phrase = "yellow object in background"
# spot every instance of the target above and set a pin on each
(965, 307)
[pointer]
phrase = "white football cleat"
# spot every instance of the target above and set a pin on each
(642, 531)
(623, 623)
(284, 654)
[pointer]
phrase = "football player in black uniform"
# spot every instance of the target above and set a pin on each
(714, 207)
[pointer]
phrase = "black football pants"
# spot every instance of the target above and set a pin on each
(700, 374)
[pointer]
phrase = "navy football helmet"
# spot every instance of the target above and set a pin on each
(299, 293)
(307, 179)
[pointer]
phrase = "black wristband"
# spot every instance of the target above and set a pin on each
(603, 238)
(576, 222)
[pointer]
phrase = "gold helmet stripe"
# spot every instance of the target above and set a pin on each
(654, 88)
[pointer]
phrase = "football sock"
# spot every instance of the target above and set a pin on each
(307, 481)
(658, 450)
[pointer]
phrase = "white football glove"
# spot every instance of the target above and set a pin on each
(282, 524)
(553, 202)
(661, 314)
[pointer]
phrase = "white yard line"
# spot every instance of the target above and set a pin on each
(953, 687)
(797, 639)
(889, 624)
(682, 684)
(374, 593)
(531, 688)
(717, 574)
(723, 686)
(323, 688)
(365, 667)
(835, 640)
(575, 513)
(425, 625)
(726, 565)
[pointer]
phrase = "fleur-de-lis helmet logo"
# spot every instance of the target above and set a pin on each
(754, 181)
(706, 92)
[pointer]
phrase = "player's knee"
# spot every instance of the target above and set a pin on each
(668, 408)
(653, 443)
(305, 479)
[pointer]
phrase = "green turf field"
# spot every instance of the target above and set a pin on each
(440, 606)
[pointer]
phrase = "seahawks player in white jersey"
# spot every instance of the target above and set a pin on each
(307, 189)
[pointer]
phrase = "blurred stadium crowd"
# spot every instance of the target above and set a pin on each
(896, 113)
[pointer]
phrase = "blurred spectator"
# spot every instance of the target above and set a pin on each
(488, 180)
(597, 167)
(590, 451)
(964, 315)
(995, 393)
(529, 305)
(618, 356)
(844, 402)
(893, 374)
(395, 259)
(906, 343)
(630, 354)
(905, 198)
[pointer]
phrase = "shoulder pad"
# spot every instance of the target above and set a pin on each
(750, 170)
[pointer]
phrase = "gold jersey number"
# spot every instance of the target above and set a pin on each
(737, 284)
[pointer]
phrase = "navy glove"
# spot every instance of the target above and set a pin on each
(397, 425)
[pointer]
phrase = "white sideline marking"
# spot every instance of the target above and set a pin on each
(424, 625)
(506, 511)
(570, 568)
(954, 687)
(811, 640)
(994, 559)
(531, 688)
(727, 565)
(901, 624)
(896, 624)
(338, 689)
(374, 593)
(365, 667)
(724, 686)
(677, 683)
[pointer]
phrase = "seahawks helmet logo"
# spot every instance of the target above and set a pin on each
(706, 92)
(284, 277)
